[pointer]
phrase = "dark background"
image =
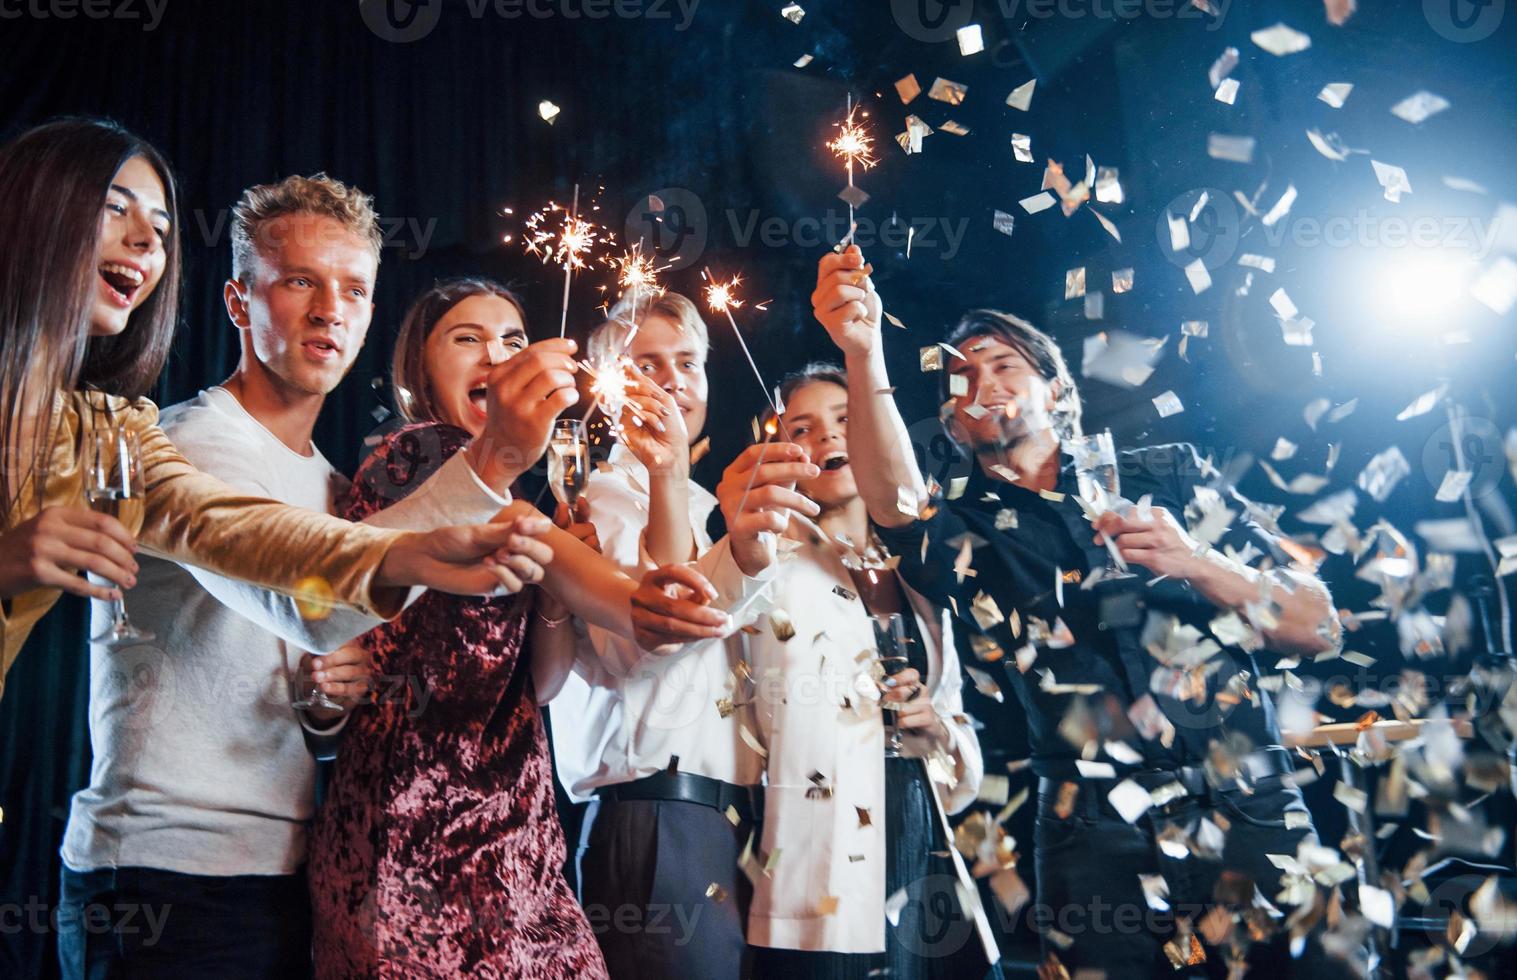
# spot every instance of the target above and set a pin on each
(716, 122)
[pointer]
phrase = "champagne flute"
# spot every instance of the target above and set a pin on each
(568, 461)
(113, 485)
(890, 651)
(312, 696)
(1095, 459)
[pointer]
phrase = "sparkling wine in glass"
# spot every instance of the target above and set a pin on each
(113, 485)
(568, 461)
(890, 650)
(1095, 459)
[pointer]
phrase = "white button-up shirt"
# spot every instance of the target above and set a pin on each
(623, 714)
(819, 717)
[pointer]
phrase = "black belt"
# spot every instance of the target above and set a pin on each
(1272, 761)
(688, 787)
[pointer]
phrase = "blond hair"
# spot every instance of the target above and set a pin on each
(318, 194)
(608, 339)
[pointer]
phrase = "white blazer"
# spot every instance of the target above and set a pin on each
(826, 742)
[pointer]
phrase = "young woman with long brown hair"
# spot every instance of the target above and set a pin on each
(88, 303)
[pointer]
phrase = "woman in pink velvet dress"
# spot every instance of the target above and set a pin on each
(438, 852)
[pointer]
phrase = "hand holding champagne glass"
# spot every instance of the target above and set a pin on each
(890, 651)
(568, 461)
(1095, 459)
(113, 485)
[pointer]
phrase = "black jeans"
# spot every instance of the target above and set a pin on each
(1092, 911)
(142, 922)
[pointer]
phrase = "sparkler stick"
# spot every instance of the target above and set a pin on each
(721, 297)
(563, 319)
(853, 145)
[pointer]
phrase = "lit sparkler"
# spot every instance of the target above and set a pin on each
(853, 145)
(559, 236)
(609, 383)
(638, 277)
(722, 297)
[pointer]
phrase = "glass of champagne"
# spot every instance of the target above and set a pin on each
(568, 461)
(890, 650)
(312, 696)
(1095, 459)
(113, 485)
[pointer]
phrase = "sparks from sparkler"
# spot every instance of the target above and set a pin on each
(853, 145)
(638, 277)
(609, 383)
(559, 236)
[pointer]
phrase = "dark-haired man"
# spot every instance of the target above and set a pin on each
(1163, 790)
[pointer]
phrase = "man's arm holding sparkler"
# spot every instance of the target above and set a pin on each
(847, 305)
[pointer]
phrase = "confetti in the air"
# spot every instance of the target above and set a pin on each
(1021, 96)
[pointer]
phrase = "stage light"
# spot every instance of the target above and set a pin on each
(1421, 290)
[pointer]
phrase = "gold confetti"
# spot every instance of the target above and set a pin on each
(1064, 805)
(716, 891)
(985, 611)
(945, 91)
(781, 625)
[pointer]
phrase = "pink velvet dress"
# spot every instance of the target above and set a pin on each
(438, 851)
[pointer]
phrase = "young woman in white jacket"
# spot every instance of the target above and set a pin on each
(855, 874)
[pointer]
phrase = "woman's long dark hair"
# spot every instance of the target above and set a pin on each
(53, 185)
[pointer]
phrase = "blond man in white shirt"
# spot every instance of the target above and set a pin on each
(664, 748)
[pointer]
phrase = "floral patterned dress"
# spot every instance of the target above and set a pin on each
(438, 852)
